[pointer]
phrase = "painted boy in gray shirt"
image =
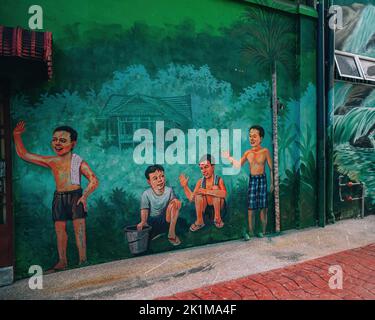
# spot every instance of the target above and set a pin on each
(159, 205)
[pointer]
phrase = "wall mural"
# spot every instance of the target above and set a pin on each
(145, 101)
(354, 118)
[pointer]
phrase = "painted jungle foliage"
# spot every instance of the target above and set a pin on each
(181, 66)
(354, 116)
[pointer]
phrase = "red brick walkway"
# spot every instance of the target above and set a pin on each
(307, 280)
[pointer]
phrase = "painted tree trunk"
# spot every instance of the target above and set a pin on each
(275, 148)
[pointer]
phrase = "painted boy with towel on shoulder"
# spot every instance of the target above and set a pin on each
(69, 201)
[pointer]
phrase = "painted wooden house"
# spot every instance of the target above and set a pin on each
(124, 114)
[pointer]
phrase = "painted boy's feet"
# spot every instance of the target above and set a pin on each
(246, 236)
(83, 263)
(219, 224)
(195, 227)
(60, 266)
(175, 241)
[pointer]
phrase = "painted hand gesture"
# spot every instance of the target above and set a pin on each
(183, 180)
(202, 191)
(20, 128)
(225, 154)
(83, 200)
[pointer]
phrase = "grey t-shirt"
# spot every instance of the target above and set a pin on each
(155, 203)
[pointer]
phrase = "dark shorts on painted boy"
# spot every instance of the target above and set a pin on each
(64, 206)
(257, 194)
(158, 223)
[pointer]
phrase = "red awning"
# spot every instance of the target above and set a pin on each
(33, 45)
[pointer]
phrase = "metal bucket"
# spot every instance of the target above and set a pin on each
(137, 240)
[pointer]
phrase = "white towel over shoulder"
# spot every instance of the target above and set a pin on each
(75, 176)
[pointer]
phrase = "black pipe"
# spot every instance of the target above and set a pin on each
(321, 119)
(329, 107)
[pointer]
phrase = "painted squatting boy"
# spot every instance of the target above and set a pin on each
(257, 193)
(69, 202)
(209, 193)
(159, 205)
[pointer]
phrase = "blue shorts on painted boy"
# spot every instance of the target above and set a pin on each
(159, 224)
(257, 194)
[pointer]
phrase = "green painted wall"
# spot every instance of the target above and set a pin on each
(163, 49)
(75, 20)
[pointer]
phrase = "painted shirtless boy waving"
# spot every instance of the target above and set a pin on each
(256, 156)
(69, 201)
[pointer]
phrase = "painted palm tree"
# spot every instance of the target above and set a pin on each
(269, 42)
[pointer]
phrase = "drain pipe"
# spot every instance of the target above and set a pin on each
(329, 89)
(321, 119)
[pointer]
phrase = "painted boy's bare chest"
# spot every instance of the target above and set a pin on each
(61, 171)
(258, 157)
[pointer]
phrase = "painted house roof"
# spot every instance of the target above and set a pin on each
(177, 109)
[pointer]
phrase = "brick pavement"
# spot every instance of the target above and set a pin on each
(308, 280)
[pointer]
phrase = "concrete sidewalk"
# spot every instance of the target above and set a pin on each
(166, 274)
